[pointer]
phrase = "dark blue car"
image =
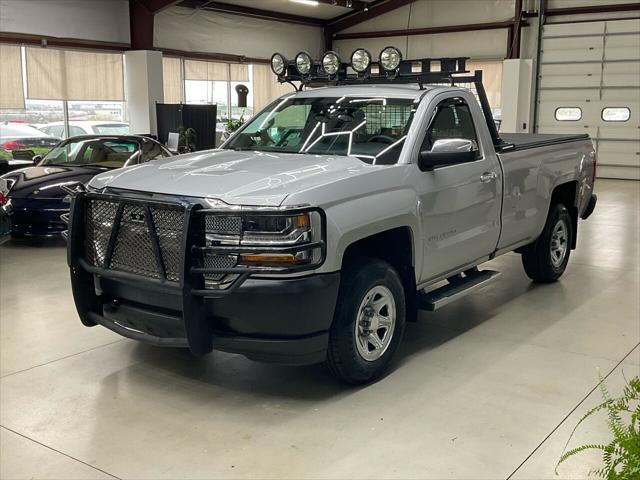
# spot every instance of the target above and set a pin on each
(37, 199)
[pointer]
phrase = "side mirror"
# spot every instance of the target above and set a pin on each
(36, 159)
(448, 151)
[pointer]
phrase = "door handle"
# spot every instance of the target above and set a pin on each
(487, 177)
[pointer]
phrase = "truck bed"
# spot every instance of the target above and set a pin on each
(524, 141)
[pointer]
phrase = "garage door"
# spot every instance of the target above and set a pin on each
(590, 83)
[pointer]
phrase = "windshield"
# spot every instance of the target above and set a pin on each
(372, 129)
(93, 152)
(112, 129)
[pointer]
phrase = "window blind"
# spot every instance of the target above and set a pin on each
(11, 86)
(172, 79)
(56, 74)
(266, 87)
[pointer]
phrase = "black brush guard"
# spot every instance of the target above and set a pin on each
(198, 328)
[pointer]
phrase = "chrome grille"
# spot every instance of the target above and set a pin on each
(133, 250)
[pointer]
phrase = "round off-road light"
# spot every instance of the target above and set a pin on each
(360, 60)
(278, 64)
(390, 58)
(330, 63)
(303, 63)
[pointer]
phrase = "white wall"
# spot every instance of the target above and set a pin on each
(434, 13)
(98, 20)
(201, 31)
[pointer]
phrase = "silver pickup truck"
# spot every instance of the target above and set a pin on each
(324, 224)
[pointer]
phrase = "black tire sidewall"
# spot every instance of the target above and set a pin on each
(537, 260)
(343, 358)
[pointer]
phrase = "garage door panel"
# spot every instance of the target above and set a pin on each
(625, 130)
(574, 29)
(622, 79)
(594, 66)
(627, 173)
(593, 54)
(622, 96)
(565, 97)
(576, 80)
(619, 26)
(567, 130)
(572, 69)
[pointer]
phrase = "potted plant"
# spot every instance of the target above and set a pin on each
(187, 139)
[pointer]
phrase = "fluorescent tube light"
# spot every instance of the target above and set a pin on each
(311, 3)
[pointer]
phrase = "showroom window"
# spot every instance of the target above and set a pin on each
(61, 91)
(616, 114)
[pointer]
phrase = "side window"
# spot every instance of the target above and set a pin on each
(452, 120)
(57, 131)
(151, 151)
(73, 131)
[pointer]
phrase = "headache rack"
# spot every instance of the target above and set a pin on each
(426, 71)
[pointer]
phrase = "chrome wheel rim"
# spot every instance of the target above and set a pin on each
(559, 243)
(375, 323)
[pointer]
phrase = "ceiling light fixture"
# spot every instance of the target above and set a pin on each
(310, 3)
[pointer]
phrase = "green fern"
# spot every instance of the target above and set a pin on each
(621, 456)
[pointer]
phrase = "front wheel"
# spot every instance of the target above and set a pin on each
(368, 322)
(546, 259)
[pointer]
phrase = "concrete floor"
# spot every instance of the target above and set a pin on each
(489, 387)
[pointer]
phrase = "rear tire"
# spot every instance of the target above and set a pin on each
(368, 322)
(546, 259)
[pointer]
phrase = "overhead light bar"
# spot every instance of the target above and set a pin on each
(389, 68)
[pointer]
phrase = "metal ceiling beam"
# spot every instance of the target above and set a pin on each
(251, 12)
(374, 9)
(427, 31)
(355, 4)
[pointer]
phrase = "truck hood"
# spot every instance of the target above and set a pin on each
(235, 177)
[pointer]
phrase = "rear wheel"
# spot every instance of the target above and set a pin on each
(368, 322)
(546, 259)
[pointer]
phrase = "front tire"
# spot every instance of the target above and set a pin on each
(546, 259)
(368, 322)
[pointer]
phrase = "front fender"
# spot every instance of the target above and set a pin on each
(363, 217)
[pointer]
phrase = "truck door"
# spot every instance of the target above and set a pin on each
(460, 204)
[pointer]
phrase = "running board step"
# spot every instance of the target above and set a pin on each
(458, 287)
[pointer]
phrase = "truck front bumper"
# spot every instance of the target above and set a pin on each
(280, 321)
(264, 316)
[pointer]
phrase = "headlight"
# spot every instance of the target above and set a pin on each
(303, 63)
(268, 239)
(360, 60)
(331, 63)
(278, 64)
(390, 58)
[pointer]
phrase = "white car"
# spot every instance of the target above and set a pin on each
(86, 127)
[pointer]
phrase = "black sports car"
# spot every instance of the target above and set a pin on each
(37, 199)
